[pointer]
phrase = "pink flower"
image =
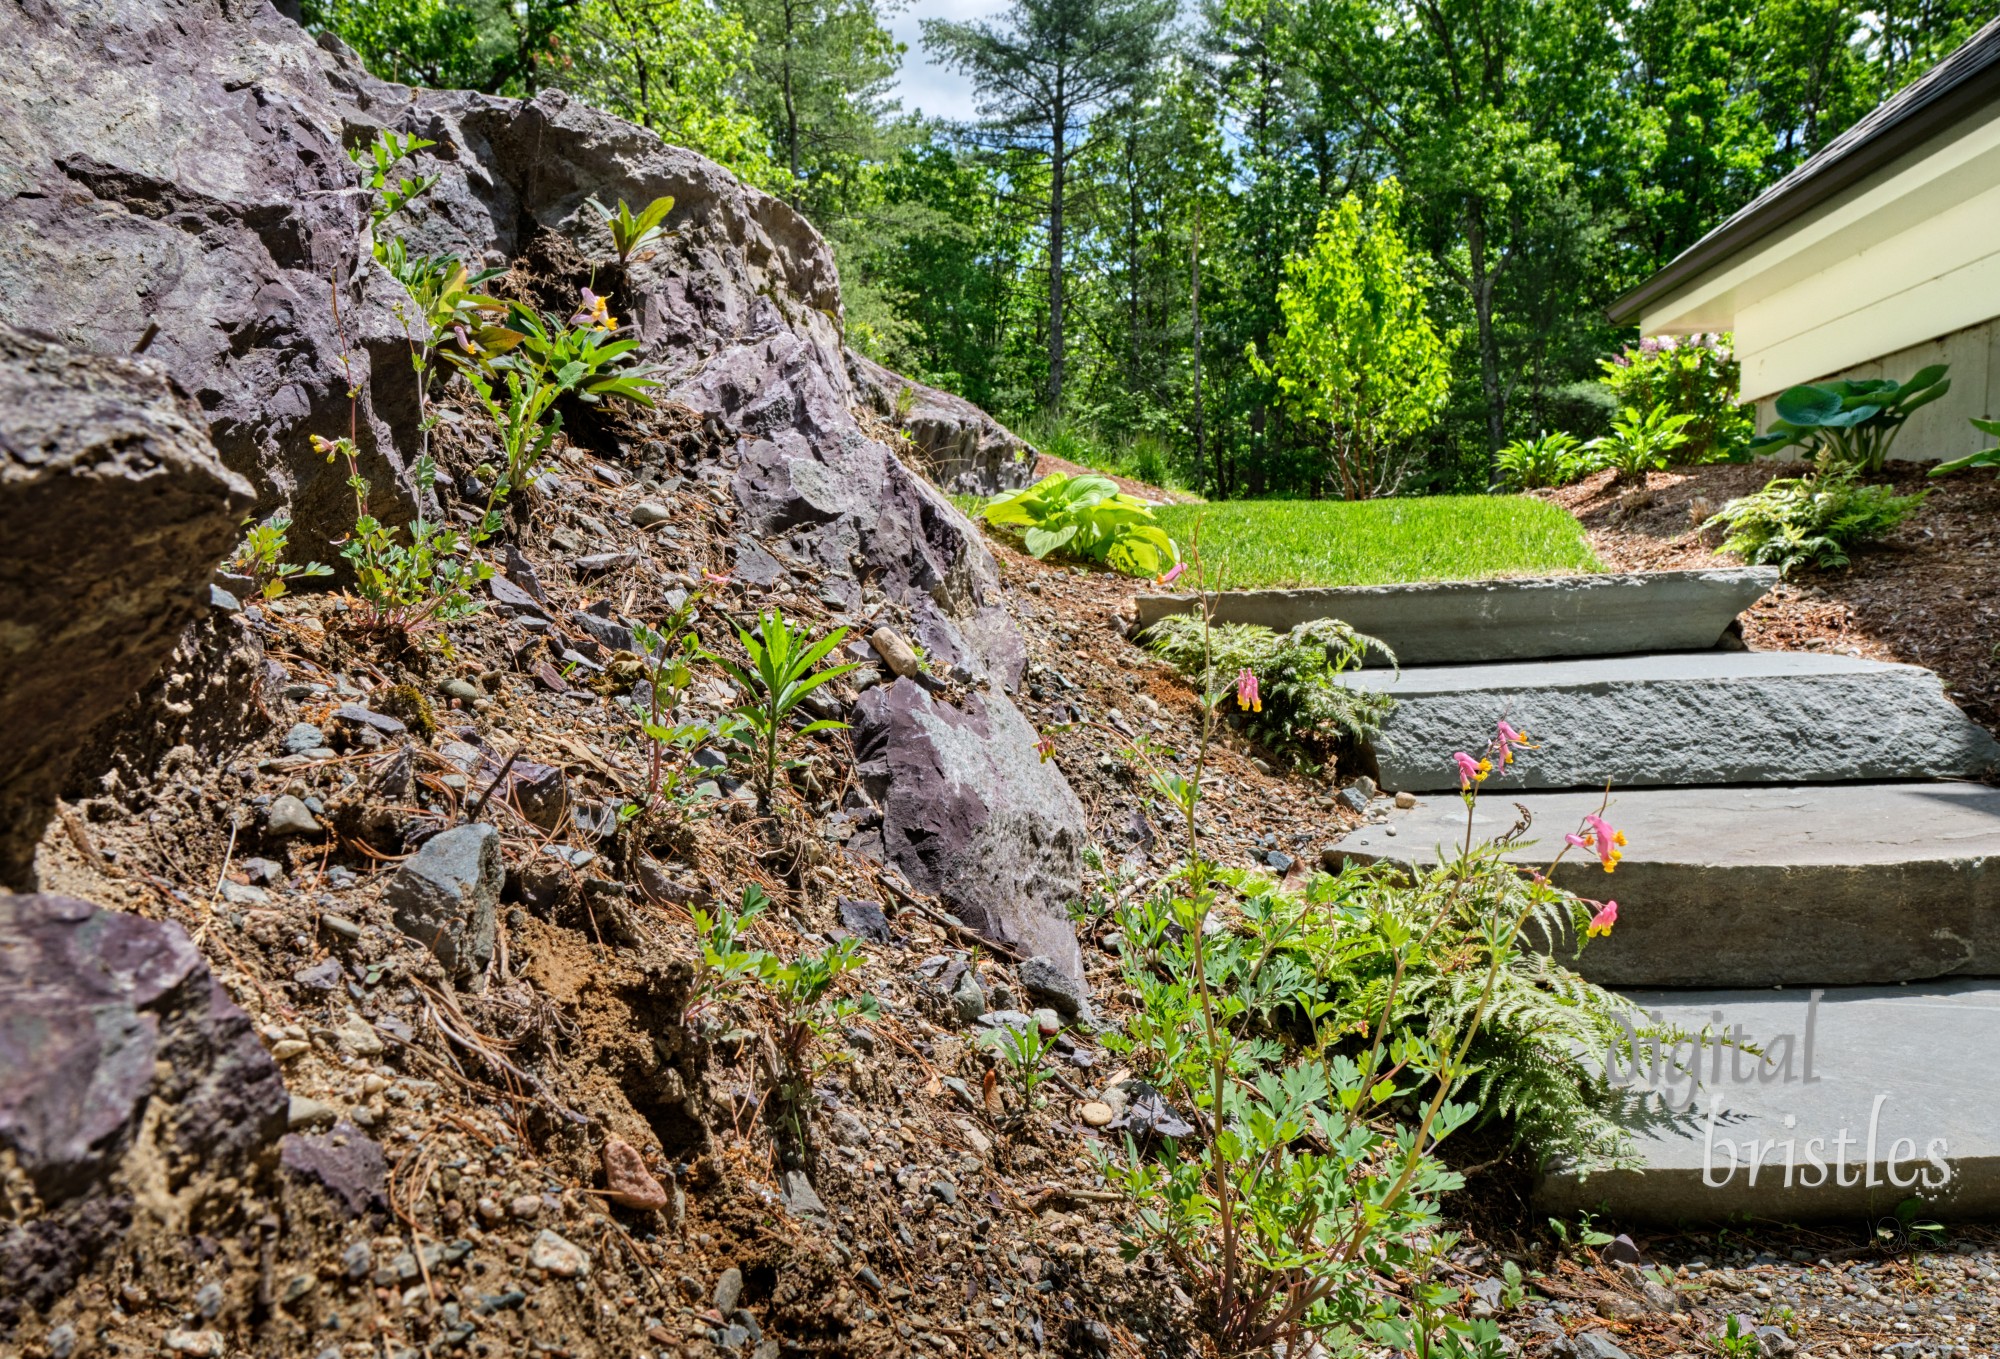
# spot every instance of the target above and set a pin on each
(1606, 917)
(1470, 771)
(1608, 843)
(1247, 696)
(1506, 739)
(714, 579)
(1169, 577)
(1045, 747)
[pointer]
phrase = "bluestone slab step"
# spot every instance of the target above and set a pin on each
(1683, 718)
(1828, 885)
(1897, 1101)
(1528, 618)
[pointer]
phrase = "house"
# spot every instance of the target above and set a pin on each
(1876, 257)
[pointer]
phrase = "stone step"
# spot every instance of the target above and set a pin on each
(1884, 1087)
(1686, 718)
(1836, 884)
(1528, 618)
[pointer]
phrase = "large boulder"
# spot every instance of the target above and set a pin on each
(962, 448)
(128, 1082)
(178, 163)
(114, 511)
(972, 813)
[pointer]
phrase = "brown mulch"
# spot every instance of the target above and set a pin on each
(1928, 594)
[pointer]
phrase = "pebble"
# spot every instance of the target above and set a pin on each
(728, 1290)
(358, 1036)
(193, 1342)
(648, 512)
(527, 1207)
(627, 1182)
(464, 690)
(560, 1257)
(1096, 1114)
(895, 651)
(289, 816)
(303, 737)
(309, 1113)
(285, 1049)
(1406, 800)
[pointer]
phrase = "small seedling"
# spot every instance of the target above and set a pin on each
(629, 233)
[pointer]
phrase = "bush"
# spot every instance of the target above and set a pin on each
(1303, 713)
(1696, 376)
(1087, 517)
(1545, 460)
(1638, 444)
(1811, 521)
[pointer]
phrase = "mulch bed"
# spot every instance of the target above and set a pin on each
(1928, 594)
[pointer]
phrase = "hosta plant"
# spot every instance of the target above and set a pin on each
(1640, 442)
(1985, 457)
(1545, 460)
(1087, 517)
(1850, 425)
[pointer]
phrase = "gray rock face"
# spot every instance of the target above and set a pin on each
(1897, 1104)
(1049, 985)
(113, 512)
(963, 449)
(1835, 884)
(197, 182)
(107, 1020)
(972, 813)
(445, 895)
(1532, 618)
(1687, 718)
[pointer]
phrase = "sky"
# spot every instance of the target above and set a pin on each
(921, 85)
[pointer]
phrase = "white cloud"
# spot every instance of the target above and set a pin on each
(938, 92)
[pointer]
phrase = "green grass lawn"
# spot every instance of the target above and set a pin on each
(1248, 544)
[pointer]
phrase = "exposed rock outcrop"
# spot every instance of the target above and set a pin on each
(127, 1078)
(179, 164)
(963, 449)
(113, 512)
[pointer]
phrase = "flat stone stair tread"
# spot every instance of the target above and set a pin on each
(1829, 884)
(1716, 717)
(1510, 618)
(1900, 1070)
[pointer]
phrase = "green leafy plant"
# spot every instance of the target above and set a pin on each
(1640, 443)
(805, 989)
(1303, 712)
(1815, 521)
(1850, 425)
(780, 673)
(261, 556)
(1513, 1289)
(1693, 375)
(378, 159)
(1023, 1052)
(663, 656)
(1733, 1342)
(1086, 517)
(727, 965)
(1545, 460)
(1985, 457)
(1303, 1178)
(430, 578)
(629, 233)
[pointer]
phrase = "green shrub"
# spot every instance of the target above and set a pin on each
(1697, 376)
(1087, 517)
(1640, 443)
(261, 556)
(1303, 712)
(1850, 425)
(1811, 521)
(1545, 460)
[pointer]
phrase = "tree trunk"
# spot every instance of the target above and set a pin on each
(1194, 308)
(1057, 167)
(791, 110)
(1481, 280)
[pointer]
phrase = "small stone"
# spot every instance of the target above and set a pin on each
(1049, 985)
(445, 896)
(285, 1049)
(526, 1207)
(627, 1182)
(303, 736)
(208, 1301)
(355, 1262)
(1354, 800)
(944, 1191)
(463, 690)
(201, 1343)
(800, 1196)
(357, 1035)
(562, 1258)
(728, 1290)
(647, 513)
(1406, 800)
(309, 1113)
(490, 1212)
(1096, 1114)
(61, 1341)
(288, 816)
(850, 1131)
(895, 651)
(865, 920)
(1048, 1022)
(968, 998)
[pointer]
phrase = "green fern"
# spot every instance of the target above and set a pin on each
(1811, 521)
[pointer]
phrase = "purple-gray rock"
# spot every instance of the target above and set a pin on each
(1049, 985)
(346, 1163)
(105, 1018)
(865, 920)
(114, 511)
(445, 895)
(962, 447)
(972, 813)
(178, 162)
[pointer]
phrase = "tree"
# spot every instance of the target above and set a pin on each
(817, 78)
(1359, 352)
(1039, 78)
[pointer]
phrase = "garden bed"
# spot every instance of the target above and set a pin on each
(1257, 544)
(1928, 594)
